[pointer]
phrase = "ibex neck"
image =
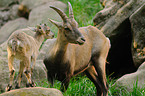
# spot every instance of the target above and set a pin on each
(60, 45)
(61, 39)
(39, 38)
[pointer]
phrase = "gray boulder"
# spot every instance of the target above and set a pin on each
(30, 4)
(137, 20)
(43, 50)
(114, 22)
(10, 27)
(37, 91)
(42, 13)
(130, 80)
(6, 3)
(8, 13)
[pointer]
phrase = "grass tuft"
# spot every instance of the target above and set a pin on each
(84, 10)
(82, 86)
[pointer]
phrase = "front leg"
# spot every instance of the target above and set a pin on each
(65, 84)
(50, 78)
(33, 59)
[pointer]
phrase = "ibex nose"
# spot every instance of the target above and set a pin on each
(51, 34)
(81, 40)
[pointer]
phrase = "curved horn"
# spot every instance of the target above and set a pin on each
(58, 24)
(71, 16)
(60, 12)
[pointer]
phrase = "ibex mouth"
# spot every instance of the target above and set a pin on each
(81, 41)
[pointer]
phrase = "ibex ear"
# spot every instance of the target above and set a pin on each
(42, 29)
(58, 24)
(32, 29)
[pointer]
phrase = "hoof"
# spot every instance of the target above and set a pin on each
(17, 86)
(31, 85)
(27, 85)
(8, 88)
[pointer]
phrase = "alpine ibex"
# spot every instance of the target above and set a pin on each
(77, 50)
(25, 48)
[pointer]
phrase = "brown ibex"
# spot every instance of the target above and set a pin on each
(77, 50)
(25, 48)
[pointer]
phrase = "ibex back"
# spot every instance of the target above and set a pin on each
(25, 48)
(77, 50)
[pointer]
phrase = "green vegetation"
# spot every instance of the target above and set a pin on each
(84, 10)
(82, 86)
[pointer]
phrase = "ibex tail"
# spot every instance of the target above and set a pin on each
(14, 46)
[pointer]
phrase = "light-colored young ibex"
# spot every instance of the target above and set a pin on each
(25, 48)
(77, 50)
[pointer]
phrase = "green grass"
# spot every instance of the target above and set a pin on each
(79, 86)
(84, 10)
(82, 86)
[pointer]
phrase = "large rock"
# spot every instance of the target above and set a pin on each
(44, 48)
(39, 70)
(42, 13)
(138, 28)
(37, 91)
(114, 22)
(6, 3)
(131, 80)
(30, 4)
(8, 14)
(10, 27)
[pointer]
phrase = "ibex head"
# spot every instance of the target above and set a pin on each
(69, 27)
(44, 30)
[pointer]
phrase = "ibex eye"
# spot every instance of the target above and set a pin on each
(47, 31)
(67, 29)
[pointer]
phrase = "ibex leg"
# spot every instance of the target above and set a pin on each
(11, 70)
(27, 73)
(100, 69)
(92, 75)
(21, 69)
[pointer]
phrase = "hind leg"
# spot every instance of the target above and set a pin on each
(11, 70)
(21, 69)
(99, 65)
(27, 73)
(93, 76)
